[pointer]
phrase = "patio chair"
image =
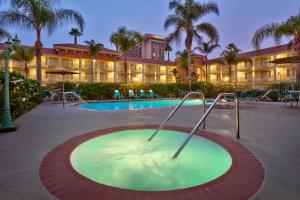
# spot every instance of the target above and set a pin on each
(153, 95)
(118, 95)
(250, 96)
(131, 95)
(143, 94)
(290, 98)
(48, 95)
(266, 96)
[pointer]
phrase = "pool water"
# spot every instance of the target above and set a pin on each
(126, 160)
(135, 105)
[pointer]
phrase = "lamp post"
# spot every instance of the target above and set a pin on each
(7, 125)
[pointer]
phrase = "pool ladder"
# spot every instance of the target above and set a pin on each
(203, 118)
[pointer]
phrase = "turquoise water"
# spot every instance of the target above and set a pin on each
(135, 105)
(127, 160)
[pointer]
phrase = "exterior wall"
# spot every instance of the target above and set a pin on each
(109, 68)
(105, 69)
(260, 73)
(152, 47)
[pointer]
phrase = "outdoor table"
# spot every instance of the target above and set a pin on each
(295, 92)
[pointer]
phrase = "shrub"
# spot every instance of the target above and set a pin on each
(102, 91)
(25, 94)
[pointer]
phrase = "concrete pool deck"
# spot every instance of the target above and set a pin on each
(271, 132)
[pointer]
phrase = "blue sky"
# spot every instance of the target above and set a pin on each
(237, 22)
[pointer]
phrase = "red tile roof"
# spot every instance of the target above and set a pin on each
(81, 47)
(45, 50)
(152, 36)
(259, 52)
(147, 61)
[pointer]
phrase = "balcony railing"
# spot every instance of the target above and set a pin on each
(149, 71)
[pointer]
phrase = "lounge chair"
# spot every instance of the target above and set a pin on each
(131, 95)
(143, 94)
(153, 95)
(290, 98)
(250, 96)
(118, 95)
(48, 95)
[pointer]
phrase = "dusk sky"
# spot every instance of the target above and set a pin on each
(237, 22)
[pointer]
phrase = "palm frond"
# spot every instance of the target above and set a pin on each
(66, 16)
(209, 30)
(208, 8)
(15, 17)
(173, 20)
(75, 31)
(263, 33)
(4, 34)
(173, 4)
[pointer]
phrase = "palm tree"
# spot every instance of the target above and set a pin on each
(185, 18)
(75, 33)
(94, 49)
(114, 40)
(206, 48)
(25, 56)
(125, 40)
(230, 57)
(183, 59)
(4, 34)
(289, 28)
(39, 15)
(175, 72)
(168, 49)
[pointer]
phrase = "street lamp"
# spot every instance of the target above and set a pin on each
(7, 125)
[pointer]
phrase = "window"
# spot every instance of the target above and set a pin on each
(291, 73)
(103, 77)
(120, 77)
(68, 63)
(103, 65)
(132, 67)
(88, 64)
(265, 61)
(51, 61)
(248, 76)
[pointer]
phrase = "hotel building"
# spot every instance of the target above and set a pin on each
(146, 64)
(108, 65)
(255, 74)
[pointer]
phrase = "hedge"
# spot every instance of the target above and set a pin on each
(282, 87)
(25, 94)
(103, 91)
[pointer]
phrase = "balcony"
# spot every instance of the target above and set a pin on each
(135, 70)
(149, 71)
(162, 71)
(106, 69)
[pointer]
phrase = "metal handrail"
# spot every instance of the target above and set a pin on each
(205, 116)
(175, 110)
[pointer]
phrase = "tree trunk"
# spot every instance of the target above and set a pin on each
(92, 71)
(75, 39)
(190, 67)
(236, 75)
(188, 45)
(26, 71)
(125, 68)
(230, 74)
(298, 65)
(168, 55)
(206, 69)
(38, 53)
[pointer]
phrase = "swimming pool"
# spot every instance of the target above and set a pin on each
(136, 105)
